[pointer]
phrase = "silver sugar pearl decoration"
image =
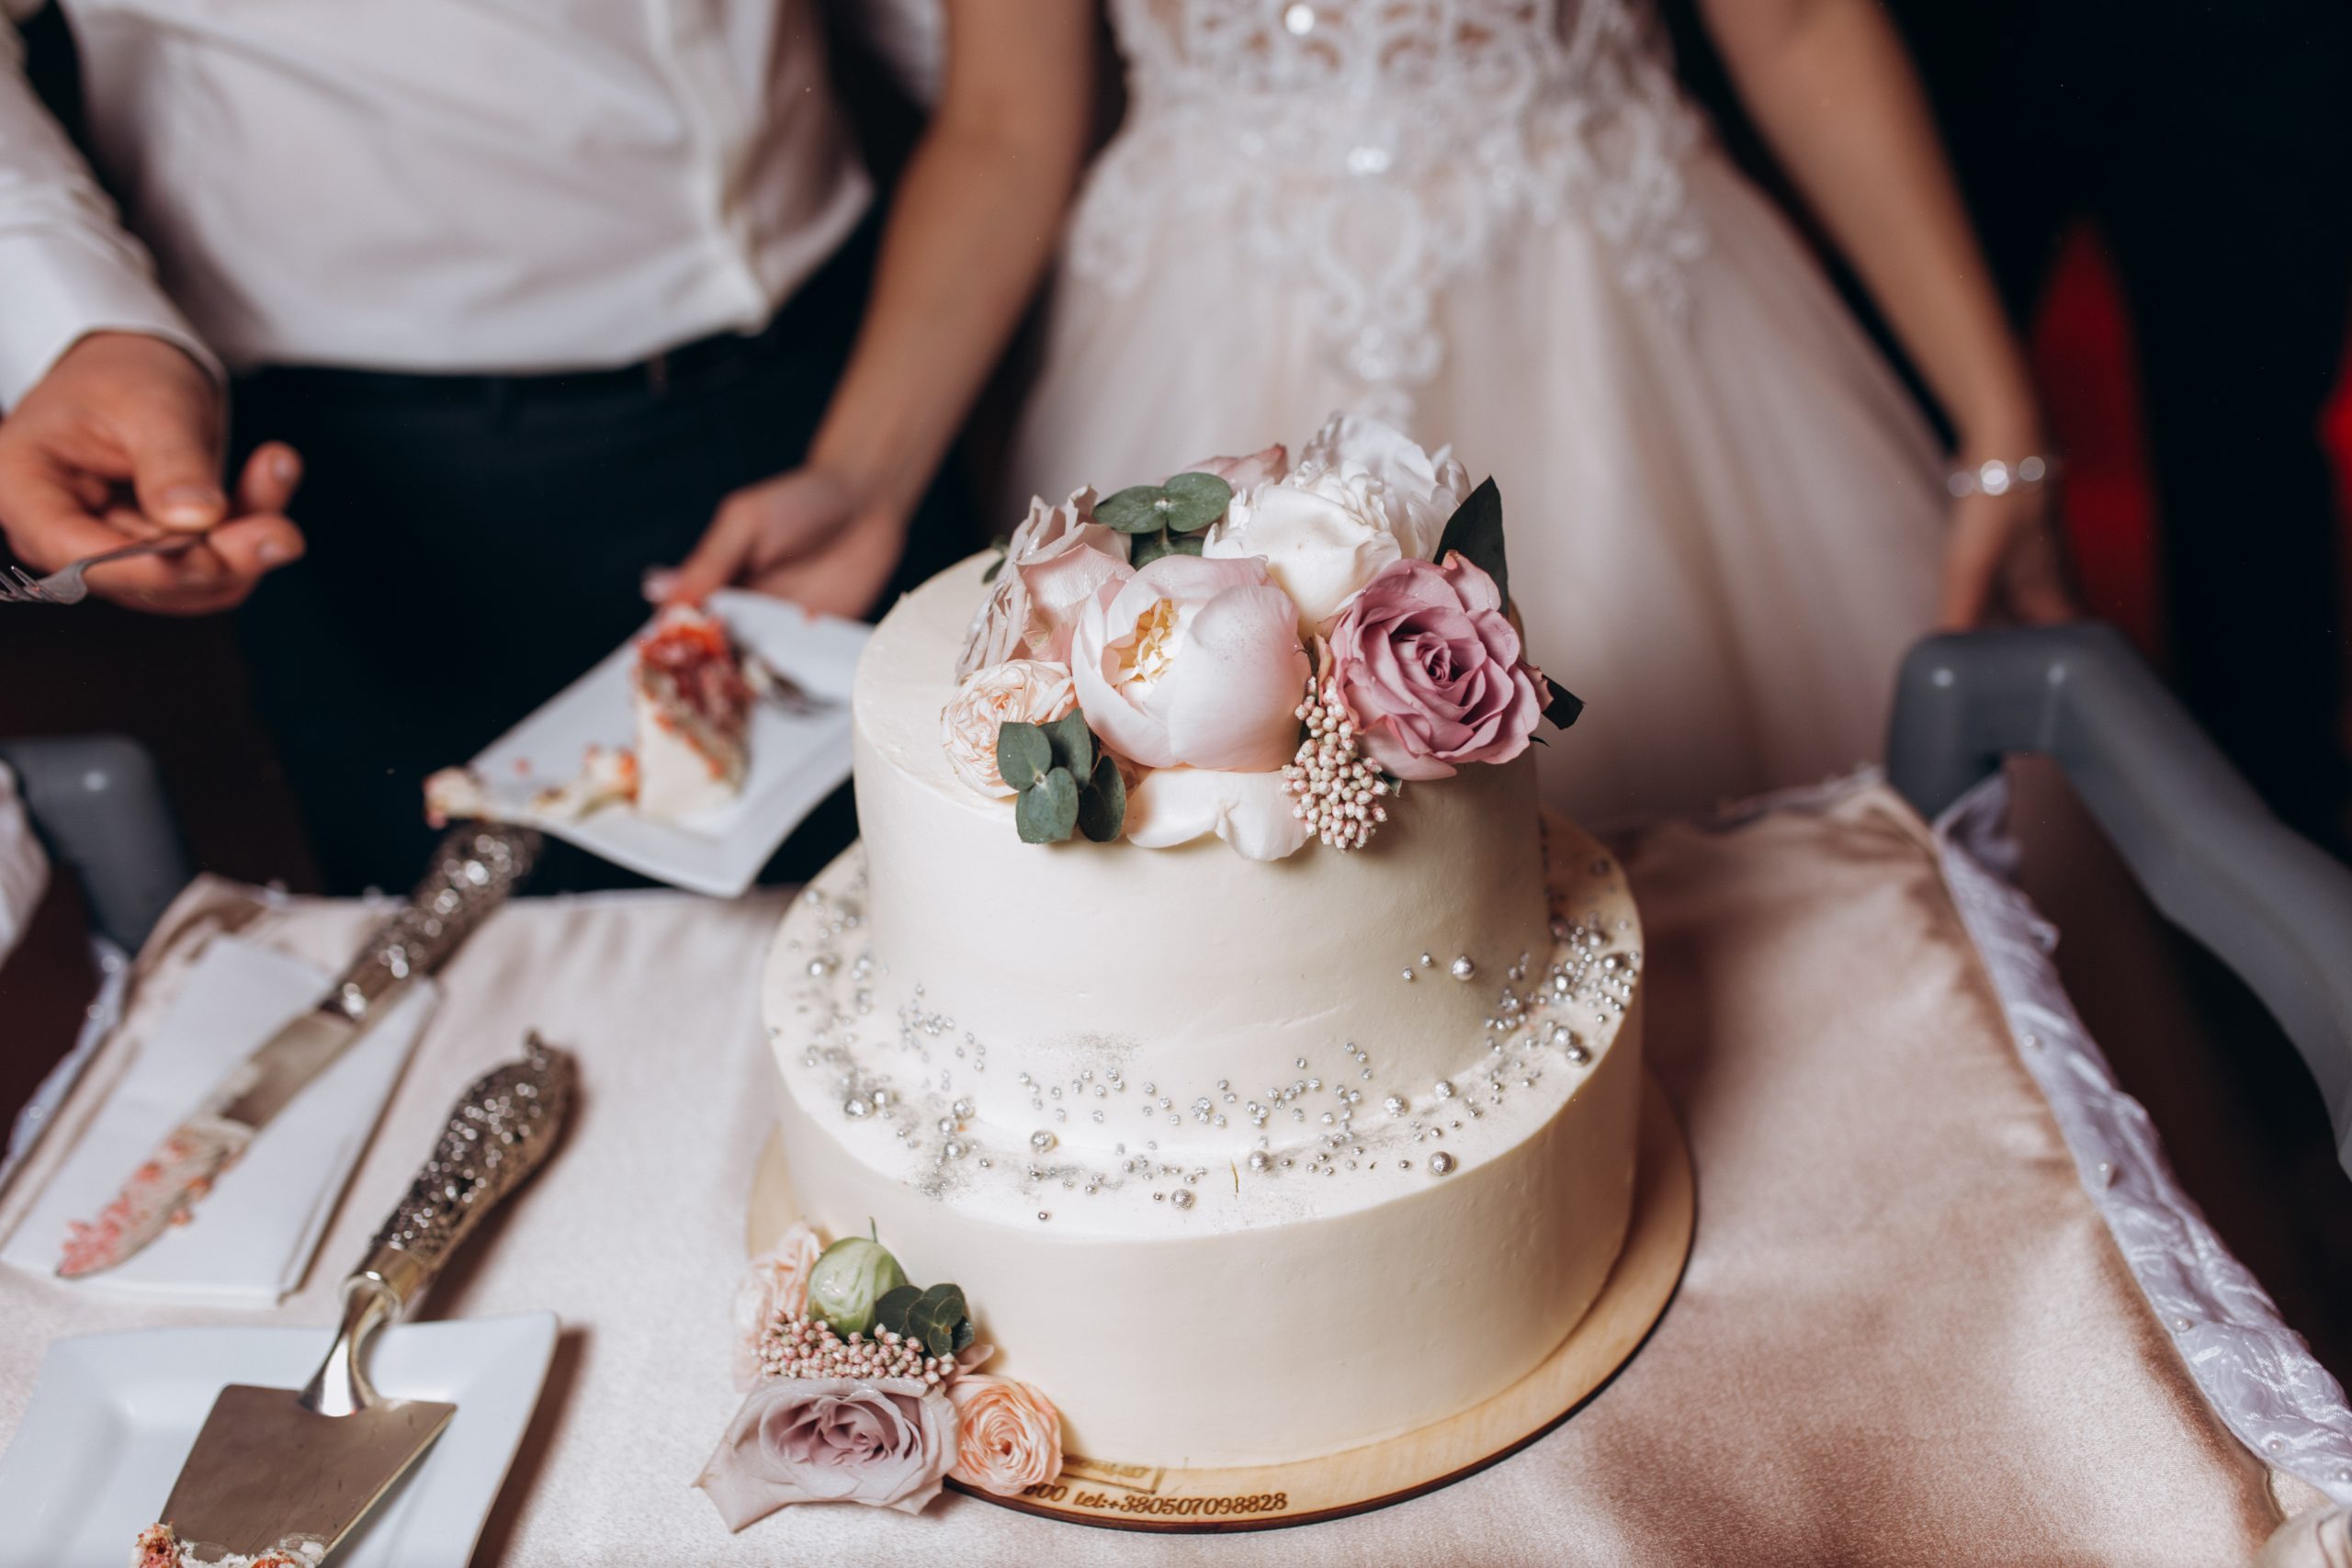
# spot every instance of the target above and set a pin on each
(1258, 1160)
(1395, 1105)
(1462, 968)
(1042, 1140)
(961, 1111)
(854, 1107)
(1441, 1164)
(1579, 1055)
(881, 1097)
(1442, 1088)
(1181, 1198)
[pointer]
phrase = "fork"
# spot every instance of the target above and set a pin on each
(64, 586)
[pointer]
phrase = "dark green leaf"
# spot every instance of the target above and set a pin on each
(1565, 707)
(1185, 545)
(1149, 547)
(1136, 510)
(1195, 501)
(1476, 530)
(1047, 810)
(1022, 754)
(1102, 810)
(1073, 746)
(891, 1308)
(1003, 548)
(941, 1320)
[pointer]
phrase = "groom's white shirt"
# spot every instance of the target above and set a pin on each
(420, 185)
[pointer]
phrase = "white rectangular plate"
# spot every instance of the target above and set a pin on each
(113, 1417)
(796, 760)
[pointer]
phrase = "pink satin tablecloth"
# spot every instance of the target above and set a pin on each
(1906, 1335)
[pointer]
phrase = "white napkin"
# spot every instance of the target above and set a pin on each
(252, 1235)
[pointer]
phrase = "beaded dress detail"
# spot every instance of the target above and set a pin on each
(1377, 151)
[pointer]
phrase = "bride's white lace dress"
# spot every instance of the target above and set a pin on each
(1497, 223)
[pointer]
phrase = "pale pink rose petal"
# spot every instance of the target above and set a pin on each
(1263, 467)
(1228, 703)
(1059, 586)
(776, 1285)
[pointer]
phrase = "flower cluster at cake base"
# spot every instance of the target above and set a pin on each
(1134, 672)
(862, 1387)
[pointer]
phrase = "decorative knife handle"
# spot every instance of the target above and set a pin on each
(498, 1132)
(473, 870)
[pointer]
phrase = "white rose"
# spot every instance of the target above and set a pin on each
(1019, 691)
(1362, 495)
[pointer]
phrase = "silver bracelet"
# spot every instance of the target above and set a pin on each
(1994, 477)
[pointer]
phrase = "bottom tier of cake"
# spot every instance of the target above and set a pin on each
(1302, 1297)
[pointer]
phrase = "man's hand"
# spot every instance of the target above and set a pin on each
(807, 535)
(121, 441)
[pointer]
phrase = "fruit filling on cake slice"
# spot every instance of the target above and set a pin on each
(693, 690)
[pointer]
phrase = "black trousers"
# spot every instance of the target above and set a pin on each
(2212, 144)
(476, 543)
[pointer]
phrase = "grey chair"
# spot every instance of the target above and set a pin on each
(99, 808)
(2268, 903)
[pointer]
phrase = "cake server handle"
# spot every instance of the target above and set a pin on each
(501, 1130)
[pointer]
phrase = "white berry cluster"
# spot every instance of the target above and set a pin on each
(803, 1347)
(1333, 790)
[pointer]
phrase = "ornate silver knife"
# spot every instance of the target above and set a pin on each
(473, 870)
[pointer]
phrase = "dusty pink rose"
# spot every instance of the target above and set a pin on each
(1193, 662)
(1019, 691)
(887, 1442)
(776, 1285)
(1009, 1436)
(1433, 670)
(1244, 473)
(1053, 564)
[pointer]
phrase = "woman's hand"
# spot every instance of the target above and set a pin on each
(810, 536)
(2003, 560)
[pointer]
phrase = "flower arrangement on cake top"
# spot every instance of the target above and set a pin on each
(861, 1387)
(1257, 648)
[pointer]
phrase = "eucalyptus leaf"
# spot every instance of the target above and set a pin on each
(1149, 547)
(1564, 708)
(890, 1309)
(1185, 545)
(1047, 810)
(1103, 808)
(1476, 530)
(941, 1320)
(1022, 753)
(1073, 744)
(1195, 501)
(1134, 509)
(1003, 548)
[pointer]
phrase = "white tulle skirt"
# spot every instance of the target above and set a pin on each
(1724, 522)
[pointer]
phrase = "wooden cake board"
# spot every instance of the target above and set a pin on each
(1126, 1497)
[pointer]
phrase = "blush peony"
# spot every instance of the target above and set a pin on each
(1009, 1436)
(885, 1441)
(1433, 670)
(1054, 562)
(1019, 691)
(1191, 662)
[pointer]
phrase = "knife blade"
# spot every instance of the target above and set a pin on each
(473, 870)
(273, 1466)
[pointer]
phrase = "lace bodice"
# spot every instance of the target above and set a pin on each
(1374, 150)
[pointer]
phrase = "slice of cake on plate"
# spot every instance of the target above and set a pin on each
(692, 691)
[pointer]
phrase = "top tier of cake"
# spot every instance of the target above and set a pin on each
(1192, 976)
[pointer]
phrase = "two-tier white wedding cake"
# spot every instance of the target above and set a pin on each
(1206, 996)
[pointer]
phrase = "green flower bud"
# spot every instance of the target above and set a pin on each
(850, 1277)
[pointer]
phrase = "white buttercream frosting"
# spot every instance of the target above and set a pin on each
(1214, 1171)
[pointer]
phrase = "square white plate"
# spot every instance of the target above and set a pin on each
(796, 760)
(113, 1417)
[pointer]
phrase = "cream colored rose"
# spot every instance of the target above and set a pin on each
(1362, 496)
(1019, 691)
